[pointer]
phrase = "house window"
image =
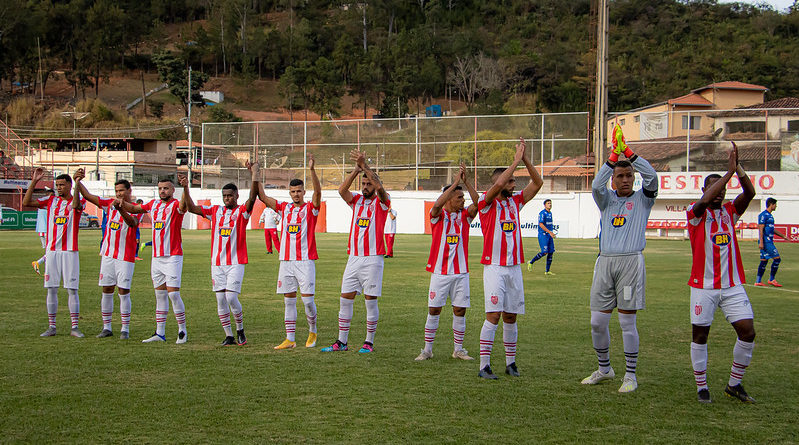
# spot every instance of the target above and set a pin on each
(574, 183)
(124, 175)
(746, 127)
(636, 119)
(695, 122)
(621, 121)
(793, 126)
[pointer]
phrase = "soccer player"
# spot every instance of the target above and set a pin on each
(765, 240)
(63, 261)
(166, 214)
(391, 231)
(118, 251)
(41, 230)
(364, 271)
(228, 251)
(449, 264)
(297, 254)
(717, 277)
(546, 237)
(502, 257)
(269, 219)
(619, 272)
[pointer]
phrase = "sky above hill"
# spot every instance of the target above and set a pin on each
(779, 5)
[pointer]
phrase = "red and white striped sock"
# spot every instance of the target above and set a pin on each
(741, 357)
(161, 311)
(235, 306)
(310, 312)
(699, 362)
(509, 335)
(344, 318)
(486, 343)
(124, 311)
(458, 331)
(179, 309)
(430, 328)
(224, 318)
(107, 309)
(372, 316)
(52, 305)
(239, 317)
(290, 317)
(74, 307)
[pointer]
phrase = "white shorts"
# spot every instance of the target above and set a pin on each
(733, 301)
(297, 274)
(114, 272)
(456, 286)
(503, 288)
(61, 264)
(227, 277)
(363, 274)
(166, 269)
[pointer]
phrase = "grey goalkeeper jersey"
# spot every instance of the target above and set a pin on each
(623, 221)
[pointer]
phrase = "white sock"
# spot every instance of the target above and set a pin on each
(699, 361)
(486, 343)
(107, 309)
(52, 305)
(124, 311)
(179, 309)
(344, 318)
(310, 312)
(235, 306)
(741, 357)
(290, 317)
(372, 315)
(430, 328)
(458, 331)
(600, 337)
(41, 260)
(629, 334)
(223, 310)
(74, 307)
(509, 335)
(161, 311)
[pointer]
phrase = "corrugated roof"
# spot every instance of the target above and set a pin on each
(789, 107)
(731, 85)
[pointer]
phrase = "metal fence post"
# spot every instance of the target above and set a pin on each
(202, 155)
(416, 133)
(304, 149)
(688, 145)
(542, 145)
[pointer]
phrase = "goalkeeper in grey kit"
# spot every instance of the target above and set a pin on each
(619, 273)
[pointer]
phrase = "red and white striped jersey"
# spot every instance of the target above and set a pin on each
(502, 236)
(167, 221)
(62, 223)
(298, 240)
(449, 251)
(716, 257)
(228, 234)
(368, 226)
(119, 240)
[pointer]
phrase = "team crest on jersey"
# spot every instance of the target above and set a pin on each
(494, 299)
(629, 205)
(60, 220)
(158, 225)
(432, 295)
(508, 226)
(618, 221)
(453, 239)
(114, 225)
(225, 231)
(293, 228)
(363, 223)
(697, 309)
(722, 239)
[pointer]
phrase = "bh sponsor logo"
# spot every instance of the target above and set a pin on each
(721, 239)
(618, 221)
(60, 220)
(114, 225)
(225, 231)
(363, 222)
(158, 225)
(293, 228)
(453, 239)
(508, 226)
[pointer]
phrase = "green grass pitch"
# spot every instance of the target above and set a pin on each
(62, 389)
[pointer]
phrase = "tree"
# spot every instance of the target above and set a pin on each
(172, 71)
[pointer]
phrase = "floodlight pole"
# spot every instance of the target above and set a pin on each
(601, 107)
(188, 130)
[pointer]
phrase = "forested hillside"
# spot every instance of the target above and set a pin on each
(482, 51)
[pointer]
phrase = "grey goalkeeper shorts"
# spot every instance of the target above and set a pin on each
(619, 282)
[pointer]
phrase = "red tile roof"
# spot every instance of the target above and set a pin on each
(731, 85)
(691, 99)
(789, 105)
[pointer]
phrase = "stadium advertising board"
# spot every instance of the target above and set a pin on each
(771, 183)
(789, 230)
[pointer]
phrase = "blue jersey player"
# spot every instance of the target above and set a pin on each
(765, 240)
(546, 237)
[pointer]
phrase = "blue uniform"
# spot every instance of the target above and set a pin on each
(769, 250)
(544, 239)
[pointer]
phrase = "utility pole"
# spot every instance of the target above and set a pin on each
(601, 108)
(188, 131)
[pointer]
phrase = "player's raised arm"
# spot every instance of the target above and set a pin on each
(505, 176)
(316, 198)
(715, 189)
(536, 182)
(360, 158)
(132, 208)
(84, 192)
(78, 176)
(446, 196)
(186, 203)
(742, 201)
(129, 219)
(255, 171)
(28, 200)
(267, 200)
(472, 209)
(344, 188)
